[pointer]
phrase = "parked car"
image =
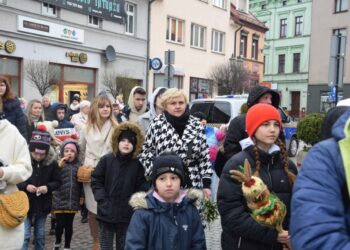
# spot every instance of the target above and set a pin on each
(222, 109)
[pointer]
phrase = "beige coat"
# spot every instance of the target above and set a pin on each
(94, 144)
(15, 156)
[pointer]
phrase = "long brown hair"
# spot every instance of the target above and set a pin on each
(284, 156)
(9, 94)
(94, 119)
(29, 111)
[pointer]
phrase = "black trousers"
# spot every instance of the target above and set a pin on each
(107, 233)
(64, 222)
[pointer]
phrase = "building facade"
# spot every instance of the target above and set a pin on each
(249, 45)
(286, 51)
(81, 40)
(201, 35)
(332, 19)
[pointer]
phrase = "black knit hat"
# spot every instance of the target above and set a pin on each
(40, 140)
(167, 162)
(130, 135)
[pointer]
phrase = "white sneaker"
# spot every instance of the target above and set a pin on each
(57, 246)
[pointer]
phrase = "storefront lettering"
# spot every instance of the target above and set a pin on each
(77, 57)
(9, 46)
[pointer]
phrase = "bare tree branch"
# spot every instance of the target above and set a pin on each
(230, 78)
(118, 83)
(41, 75)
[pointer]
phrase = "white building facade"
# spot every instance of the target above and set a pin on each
(73, 36)
(201, 35)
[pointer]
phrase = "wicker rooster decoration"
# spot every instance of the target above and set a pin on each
(266, 207)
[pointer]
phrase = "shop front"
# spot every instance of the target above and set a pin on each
(73, 80)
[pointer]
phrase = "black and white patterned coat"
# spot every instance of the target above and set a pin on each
(161, 136)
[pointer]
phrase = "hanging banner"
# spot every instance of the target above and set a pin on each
(112, 10)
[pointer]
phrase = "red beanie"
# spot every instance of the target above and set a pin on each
(258, 114)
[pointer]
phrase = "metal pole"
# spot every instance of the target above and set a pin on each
(148, 42)
(338, 65)
(169, 68)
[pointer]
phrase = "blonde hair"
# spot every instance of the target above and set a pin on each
(171, 94)
(94, 119)
(29, 111)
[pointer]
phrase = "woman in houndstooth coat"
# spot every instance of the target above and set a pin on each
(177, 131)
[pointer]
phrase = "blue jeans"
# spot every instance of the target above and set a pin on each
(38, 222)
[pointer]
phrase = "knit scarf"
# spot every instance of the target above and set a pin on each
(179, 123)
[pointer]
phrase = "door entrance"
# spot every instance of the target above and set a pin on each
(295, 103)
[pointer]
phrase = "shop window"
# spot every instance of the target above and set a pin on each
(199, 88)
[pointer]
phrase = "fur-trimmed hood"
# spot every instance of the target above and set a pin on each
(51, 157)
(139, 200)
(123, 127)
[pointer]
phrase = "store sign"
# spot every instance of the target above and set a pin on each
(112, 10)
(43, 28)
(77, 57)
(8, 46)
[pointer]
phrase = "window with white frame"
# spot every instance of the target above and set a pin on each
(341, 5)
(94, 21)
(130, 18)
(219, 3)
(198, 36)
(175, 30)
(217, 41)
(49, 9)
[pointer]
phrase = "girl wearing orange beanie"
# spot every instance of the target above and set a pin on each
(267, 156)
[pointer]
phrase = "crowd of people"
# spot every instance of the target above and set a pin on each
(148, 165)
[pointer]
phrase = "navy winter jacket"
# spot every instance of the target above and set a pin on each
(15, 115)
(61, 123)
(320, 204)
(164, 226)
